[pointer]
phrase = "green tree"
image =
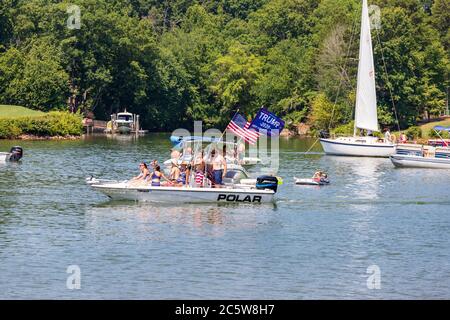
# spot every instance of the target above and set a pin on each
(34, 78)
(234, 77)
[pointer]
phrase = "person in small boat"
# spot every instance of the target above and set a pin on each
(156, 177)
(317, 175)
(144, 175)
(387, 135)
(320, 176)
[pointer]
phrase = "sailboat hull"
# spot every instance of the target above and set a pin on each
(357, 147)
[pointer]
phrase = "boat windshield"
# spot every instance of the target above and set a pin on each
(124, 117)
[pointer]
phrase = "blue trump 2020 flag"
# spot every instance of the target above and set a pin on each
(266, 122)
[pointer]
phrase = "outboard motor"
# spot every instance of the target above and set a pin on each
(267, 182)
(16, 153)
(324, 134)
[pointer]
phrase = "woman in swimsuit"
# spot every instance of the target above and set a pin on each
(145, 173)
(156, 177)
(183, 177)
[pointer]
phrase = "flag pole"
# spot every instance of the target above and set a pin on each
(223, 133)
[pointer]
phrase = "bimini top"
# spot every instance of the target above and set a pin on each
(179, 140)
(442, 128)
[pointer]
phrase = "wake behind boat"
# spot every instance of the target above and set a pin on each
(366, 106)
(262, 192)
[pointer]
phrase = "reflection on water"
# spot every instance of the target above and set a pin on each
(313, 242)
(210, 219)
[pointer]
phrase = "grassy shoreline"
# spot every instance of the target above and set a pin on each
(17, 122)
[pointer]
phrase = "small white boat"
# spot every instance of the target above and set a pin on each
(311, 181)
(366, 116)
(15, 154)
(420, 156)
(263, 192)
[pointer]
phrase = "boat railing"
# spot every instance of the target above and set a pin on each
(442, 153)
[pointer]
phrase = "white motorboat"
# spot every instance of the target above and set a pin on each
(15, 154)
(421, 156)
(262, 192)
(366, 106)
(124, 122)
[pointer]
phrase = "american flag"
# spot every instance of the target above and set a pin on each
(240, 127)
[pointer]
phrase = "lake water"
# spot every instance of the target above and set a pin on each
(312, 242)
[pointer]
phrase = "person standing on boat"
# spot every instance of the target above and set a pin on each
(219, 166)
(387, 135)
(174, 171)
(199, 167)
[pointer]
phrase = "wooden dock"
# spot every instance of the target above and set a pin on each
(94, 126)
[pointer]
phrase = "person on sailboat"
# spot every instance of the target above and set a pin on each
(387, 135)
(403, 138)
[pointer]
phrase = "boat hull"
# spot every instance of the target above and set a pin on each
(412, 161)
(352, 148)
(121, 191)
(4, 156)
(124, 129)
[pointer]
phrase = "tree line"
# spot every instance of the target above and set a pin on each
(175, 61)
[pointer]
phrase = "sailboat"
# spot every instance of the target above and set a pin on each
(365, 108)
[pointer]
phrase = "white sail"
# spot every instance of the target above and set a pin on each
(366, 99)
